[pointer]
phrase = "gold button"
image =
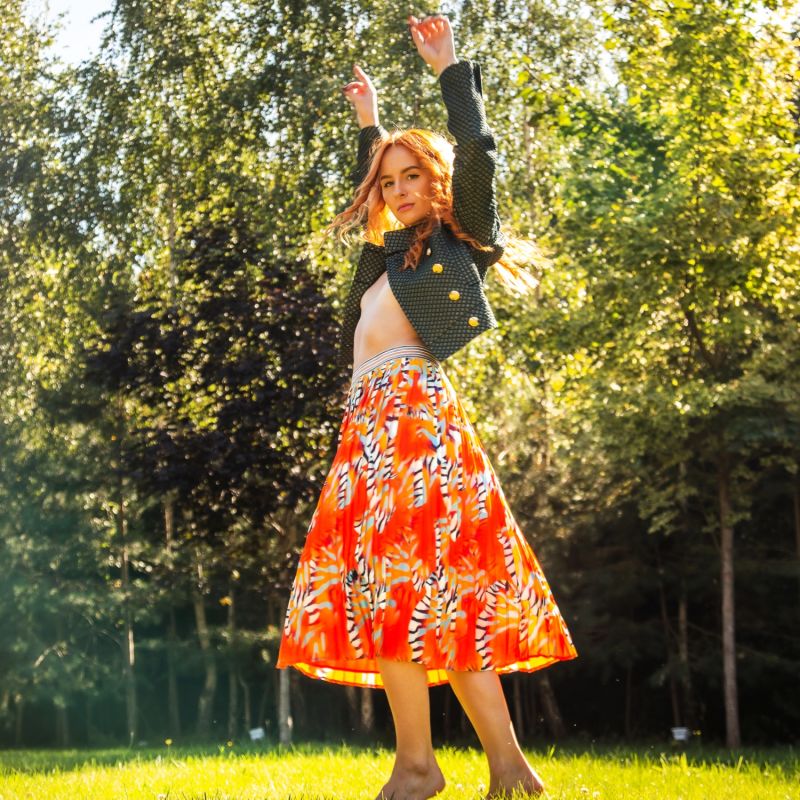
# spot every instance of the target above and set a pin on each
(473, 321)
(437, 268)
(428, 252)
(454, 295)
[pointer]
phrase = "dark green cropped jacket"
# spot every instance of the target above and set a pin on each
(444, 297)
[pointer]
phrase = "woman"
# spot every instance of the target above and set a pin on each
(414, 571)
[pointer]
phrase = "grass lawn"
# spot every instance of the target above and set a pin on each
(306, 771)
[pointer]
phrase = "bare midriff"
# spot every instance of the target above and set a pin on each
(382, 324)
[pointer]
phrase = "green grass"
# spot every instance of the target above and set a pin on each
(312, 771)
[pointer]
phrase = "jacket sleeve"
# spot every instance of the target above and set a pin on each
(371, 264)
(368, 137)
(474, 199)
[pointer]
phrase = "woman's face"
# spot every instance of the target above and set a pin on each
(404, 185)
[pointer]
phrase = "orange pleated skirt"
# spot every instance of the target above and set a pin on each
(412, 552)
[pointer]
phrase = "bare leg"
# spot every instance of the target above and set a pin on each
(481, 695)
(416, 775)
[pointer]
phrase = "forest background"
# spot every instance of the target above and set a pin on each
(169, 401)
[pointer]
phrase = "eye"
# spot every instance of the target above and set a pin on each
(411, 175)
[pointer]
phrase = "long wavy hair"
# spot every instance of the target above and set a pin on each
(435, 154)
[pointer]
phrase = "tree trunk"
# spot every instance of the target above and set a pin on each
(732, 733)
(673, 687)
(796, 499)
(360, 709)
(87, 710)
(62, 726)
(533, 711)
(5, 705)
(684, 668)
(233, 693)
(552, 715)
(519, 716)
(284, 708)
(19, 711)
(299, 702)
(353, 714)
(173, 702)
(261, 714)
(248, 720)
(447, 711)
(233, 703)
(683, 656)
(367, 710)
(128, 648)
(288, 527)
(60, 704)
(629, 701)
(173, 699)
(205, 703)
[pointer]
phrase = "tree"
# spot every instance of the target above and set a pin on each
(686, 219)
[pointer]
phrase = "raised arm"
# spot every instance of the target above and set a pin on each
(474, 201)
(363, 96)
(474, 197)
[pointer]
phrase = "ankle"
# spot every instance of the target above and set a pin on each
(508, 763)
(418, 763)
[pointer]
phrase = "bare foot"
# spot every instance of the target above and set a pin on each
(521, 778)
(410, 783)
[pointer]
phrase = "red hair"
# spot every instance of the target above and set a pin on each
(435, 154)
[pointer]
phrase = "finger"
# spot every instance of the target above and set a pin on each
(364, 78)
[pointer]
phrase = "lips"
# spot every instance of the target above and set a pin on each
(405, 207)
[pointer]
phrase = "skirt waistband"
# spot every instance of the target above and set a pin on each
(389, 354)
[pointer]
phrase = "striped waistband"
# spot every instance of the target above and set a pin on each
(388, 355)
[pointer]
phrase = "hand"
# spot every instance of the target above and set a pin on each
(363, 96)
(433, 37)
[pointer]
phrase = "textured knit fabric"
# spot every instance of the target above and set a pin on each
(444, 297)
(412, 553)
